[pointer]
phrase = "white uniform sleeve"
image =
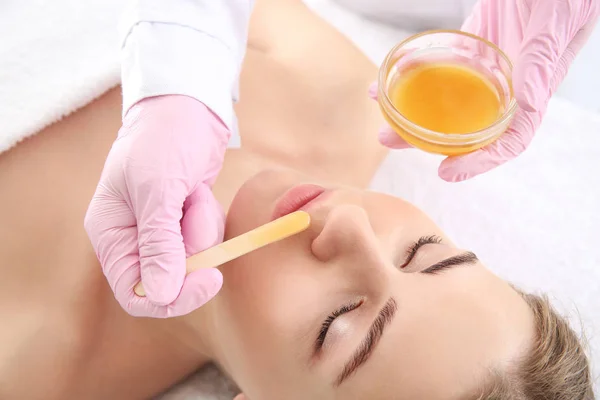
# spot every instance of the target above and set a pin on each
(188, 47)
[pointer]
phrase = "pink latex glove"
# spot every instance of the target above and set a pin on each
(541, 37)
(154, 205)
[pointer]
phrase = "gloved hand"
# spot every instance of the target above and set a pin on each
(154, 205)
(541, 37)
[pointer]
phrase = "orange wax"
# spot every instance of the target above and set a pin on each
(446, 98)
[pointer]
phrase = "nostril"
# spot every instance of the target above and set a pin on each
(323, 247)
(347, 229)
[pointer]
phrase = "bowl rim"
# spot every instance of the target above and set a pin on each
(460, 137)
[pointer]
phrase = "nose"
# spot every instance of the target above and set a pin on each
(346, 231)
(348, 246)
(347, 238)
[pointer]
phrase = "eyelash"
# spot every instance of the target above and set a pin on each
(327, 323)
(410, 254)
(412, 250)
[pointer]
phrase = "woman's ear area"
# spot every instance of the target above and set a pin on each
(240, 396)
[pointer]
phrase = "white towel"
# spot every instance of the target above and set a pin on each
(55, 57)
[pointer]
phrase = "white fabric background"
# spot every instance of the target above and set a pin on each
(534, 221)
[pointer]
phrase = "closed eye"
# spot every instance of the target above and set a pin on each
(412, 250)
(460, 259)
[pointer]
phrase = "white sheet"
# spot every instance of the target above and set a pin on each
(533, 221)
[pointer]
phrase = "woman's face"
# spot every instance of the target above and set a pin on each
(373, 301)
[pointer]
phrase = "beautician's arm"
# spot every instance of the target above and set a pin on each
(187, 47)
(153, 205)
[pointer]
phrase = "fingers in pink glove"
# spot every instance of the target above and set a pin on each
(115, 235)
(161, 245)
(201, 209)
(373, 88)
(169, 151)
(511, 144)
(387, 136)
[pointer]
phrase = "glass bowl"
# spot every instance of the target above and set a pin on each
(448, 47)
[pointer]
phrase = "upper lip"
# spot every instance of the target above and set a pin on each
(296, 198)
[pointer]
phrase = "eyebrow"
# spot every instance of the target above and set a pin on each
(387, 313)
(365, 349)
(466, 258)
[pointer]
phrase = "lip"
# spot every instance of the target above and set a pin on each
(296, 198)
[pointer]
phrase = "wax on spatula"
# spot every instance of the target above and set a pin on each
(271, 232)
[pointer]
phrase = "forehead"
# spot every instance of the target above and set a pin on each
(384, 209)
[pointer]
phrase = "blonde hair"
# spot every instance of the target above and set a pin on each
(555, 368)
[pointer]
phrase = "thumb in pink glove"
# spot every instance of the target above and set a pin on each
(153, 206)
(542, 38)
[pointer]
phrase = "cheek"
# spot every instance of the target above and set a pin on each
(264, 306)
(267, 291)
(387, 211)
(398, 223)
